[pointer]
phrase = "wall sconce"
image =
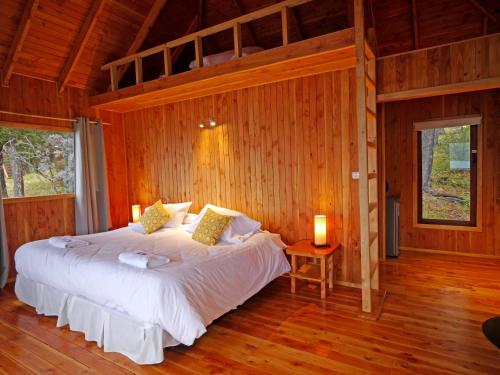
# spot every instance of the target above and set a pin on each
(320, 231)
(210, 123)
(136, 213)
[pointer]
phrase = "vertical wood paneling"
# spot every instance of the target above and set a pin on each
(30, 219)
(281, 153)
(399, 118)
(454, 63)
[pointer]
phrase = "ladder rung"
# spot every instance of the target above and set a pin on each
(372, 206)
(369, 82)
(372, 175)
(371, 112)
(373, 269)
(373, 237)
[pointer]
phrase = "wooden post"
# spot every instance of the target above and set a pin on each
(138, 70)
(364, 222)
(198, 50)
(167, 61)
(114, 77)
(285, 16)
(237, 39)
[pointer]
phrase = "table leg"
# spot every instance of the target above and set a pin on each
(330, 271)
(323, 278)
(294, 270)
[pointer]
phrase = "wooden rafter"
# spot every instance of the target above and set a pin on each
(241, 11)
(193, 26)
(80, 42)
(415, 23)
(298, 26)
(488, 12)
(141, 35)
(17, 43)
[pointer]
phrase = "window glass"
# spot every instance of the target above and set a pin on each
(447, 176)
(35, 162)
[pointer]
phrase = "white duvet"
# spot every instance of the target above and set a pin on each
(199, 284)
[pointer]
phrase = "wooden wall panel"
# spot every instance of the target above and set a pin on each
(35, 218)
(399, 118)
(30, 219)
(37, 97)
(463, 61)
(281, 153)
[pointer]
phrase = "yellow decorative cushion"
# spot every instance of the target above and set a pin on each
(210, 227)
(154, 217)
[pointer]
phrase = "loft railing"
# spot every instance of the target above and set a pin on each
(283, 7)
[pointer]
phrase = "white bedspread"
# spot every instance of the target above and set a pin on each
(199, 284)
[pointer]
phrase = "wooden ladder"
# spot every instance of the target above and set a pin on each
(366, 112)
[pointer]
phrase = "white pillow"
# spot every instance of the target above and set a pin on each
(177, 213)
(189, 218)
(239, 229)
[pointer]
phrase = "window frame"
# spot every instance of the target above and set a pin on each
(476, 222)
(42, 127)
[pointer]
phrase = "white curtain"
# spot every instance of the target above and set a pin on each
(91, 190)
(4, 251)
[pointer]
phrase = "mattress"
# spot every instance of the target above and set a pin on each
(183, 297)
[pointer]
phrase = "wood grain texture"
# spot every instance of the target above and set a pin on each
(37, 97)
(326, 53)
(29, 219)
(276, 333)
(465, 61)
(281, 153)
(399, 118)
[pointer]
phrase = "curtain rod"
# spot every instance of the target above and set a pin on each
(47, 117)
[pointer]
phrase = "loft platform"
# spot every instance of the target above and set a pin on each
(316, 55)
(325, 53)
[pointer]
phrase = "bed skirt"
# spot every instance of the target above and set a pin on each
(113, 331)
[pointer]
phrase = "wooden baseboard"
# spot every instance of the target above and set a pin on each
(443, 252)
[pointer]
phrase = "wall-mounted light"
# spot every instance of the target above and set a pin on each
(210, 123)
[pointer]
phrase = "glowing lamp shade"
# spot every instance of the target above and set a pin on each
(320, 230)
(136, 212)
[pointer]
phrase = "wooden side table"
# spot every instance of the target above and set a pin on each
(311, 272)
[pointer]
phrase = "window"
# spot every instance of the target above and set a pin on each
(447, 171)
(36, 162)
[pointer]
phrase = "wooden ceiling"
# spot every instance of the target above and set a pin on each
(68, 41)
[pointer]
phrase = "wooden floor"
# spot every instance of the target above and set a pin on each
(430, 325)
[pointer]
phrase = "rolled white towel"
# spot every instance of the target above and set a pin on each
(66, 242)
(141, 259)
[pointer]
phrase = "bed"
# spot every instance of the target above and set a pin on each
(138, 312)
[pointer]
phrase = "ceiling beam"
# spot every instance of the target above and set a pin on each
(486, 10)
(415, 23)
(80, 41)
(241, 11)
(141, 35)
(17, 43)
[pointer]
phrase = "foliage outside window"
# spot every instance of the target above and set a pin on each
(35, 162)
(447, 175)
